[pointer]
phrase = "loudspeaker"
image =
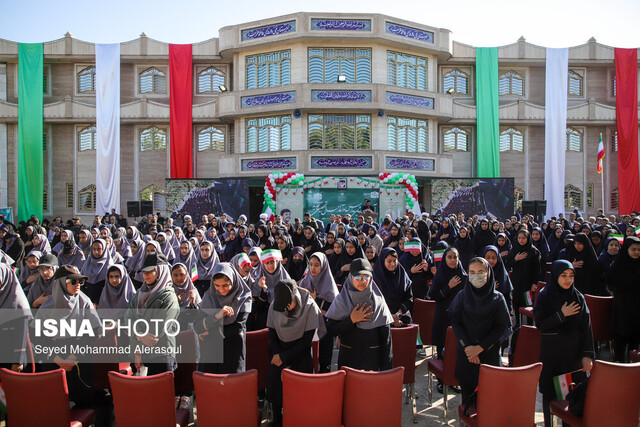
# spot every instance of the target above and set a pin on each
(146, 207)
(380, 113)
(133, 209)
(541, 207)
(529, 207)
(297, 113)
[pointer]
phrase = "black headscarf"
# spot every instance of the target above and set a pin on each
(392, 284)
(587, 277)
(297, 268)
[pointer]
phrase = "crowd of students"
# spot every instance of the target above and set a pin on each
(354, 280)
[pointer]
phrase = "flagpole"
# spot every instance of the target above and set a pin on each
(602, 182)
(601, 167)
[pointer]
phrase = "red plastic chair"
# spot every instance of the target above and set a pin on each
(528, 311)
(146, 401)
(444, 369)
(258, 356)
(315, 352)
(634, 356)
(102, 366)
(52, 410)
(424, 312)
(403, 341)
(600, 311)
(312, 400)
(506, 397)
(612, 399)
(527, 350)
(183, 375)
(373, 398)
(214, 391)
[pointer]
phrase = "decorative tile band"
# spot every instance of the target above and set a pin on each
(269, 30)
(341, 95)
(341, 162)
(268, 99)
(411, 164)
(412, 33)
(283, 163)
(411, 100)
(340, 25)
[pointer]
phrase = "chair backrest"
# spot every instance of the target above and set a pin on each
(507, 396)
(403, 341)
(424, 312)
(258, 356)
(183, 375)
(528, 346)
(600, 310)
(450, 358)
(227, 400)
(613, 395)
(634, 356)
(147, 401)
(53, 405)
(312, 400)
(540, 286)
(373, 398)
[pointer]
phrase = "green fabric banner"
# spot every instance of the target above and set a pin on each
(487, 114)
(30, 123)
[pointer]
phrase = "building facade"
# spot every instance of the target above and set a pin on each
(321, 94)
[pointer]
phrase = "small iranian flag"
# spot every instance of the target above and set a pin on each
(563, 384)
(619, 237)
(412, 246)
(528, 297)
(637, 231)
(437, 255)
(243, 260)
(270, 255)
(194, 273)
(600, 154)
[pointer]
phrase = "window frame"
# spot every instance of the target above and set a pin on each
(223, 68)
(201, 128)
(579, 131)
(79, 130)
(522, 74)
(426, 127)
(417, 66)
(141, 68)
(470, 78)
(503, 130)
(355, 59)
(142, 129)
(568, 188)
(582, 73)
(77, 70)
(466, 130)
(357, 123)
(279, 62)
(280, 125)
(91, 189)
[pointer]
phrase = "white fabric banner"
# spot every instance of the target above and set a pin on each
(108, 128)
(555, 129)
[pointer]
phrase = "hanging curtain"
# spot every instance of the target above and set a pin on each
(555, 129)
(487, 112)
(180, 122)
(30, 130)
(108, 128)
(627, 123)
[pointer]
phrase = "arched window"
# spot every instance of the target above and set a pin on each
(211, 138)
(511, 83)
(87, 80)
(572, 197)
(405, 70)
(456, 80)
(575, 84)
(153, 193)
(407, 134)
(210, 80)
(574, 140)
(152, 81)
(153, 138)
(87, 138)
(87, 198)
(511, 139)
(614, 200)
(456, 139)
(268, 69)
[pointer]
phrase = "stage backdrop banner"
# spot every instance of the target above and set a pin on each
(107, 128)
(198, 197)
(627, 121)
(555, 129)
(488, 198)
(322, 202)
(487, 112)
(30, 130)
(180, 119)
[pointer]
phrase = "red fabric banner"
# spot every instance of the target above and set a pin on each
(627, 123)
(180, 121)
